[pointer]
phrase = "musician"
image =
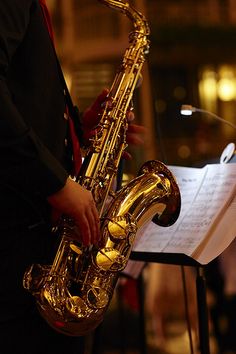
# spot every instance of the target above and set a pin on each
(35, 169)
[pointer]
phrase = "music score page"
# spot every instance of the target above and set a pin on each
(207, 221)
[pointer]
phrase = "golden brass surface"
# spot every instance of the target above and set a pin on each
(75, 291)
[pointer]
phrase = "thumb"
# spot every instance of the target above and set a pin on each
(101, 98)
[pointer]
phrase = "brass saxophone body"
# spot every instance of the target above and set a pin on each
(74, 293)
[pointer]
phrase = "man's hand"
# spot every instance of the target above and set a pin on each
(77, 202)
(135, 134)
(91, 118)
(92, 115)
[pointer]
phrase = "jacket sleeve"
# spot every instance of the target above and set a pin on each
(22, 154)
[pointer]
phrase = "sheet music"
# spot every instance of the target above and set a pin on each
(205, 195)
(224, 234)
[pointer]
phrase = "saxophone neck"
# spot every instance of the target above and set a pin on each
(139, 21)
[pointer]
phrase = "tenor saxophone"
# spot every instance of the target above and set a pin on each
(74, 292)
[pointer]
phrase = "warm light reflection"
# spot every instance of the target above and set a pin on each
(217, 91)
(208, 85)
(226, 87)
(184, 151)
(217, 84)
(68, 79)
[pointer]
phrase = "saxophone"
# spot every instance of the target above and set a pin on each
(73, 293)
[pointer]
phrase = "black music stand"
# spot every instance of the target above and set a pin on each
(97, 340)
(182, 260)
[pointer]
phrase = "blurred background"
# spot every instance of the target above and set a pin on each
(192, 60)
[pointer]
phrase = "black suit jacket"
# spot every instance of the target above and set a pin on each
(32, 124)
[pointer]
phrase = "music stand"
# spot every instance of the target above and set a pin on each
(183, 260)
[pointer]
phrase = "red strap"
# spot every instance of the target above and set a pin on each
(47, 18)
(77, 158)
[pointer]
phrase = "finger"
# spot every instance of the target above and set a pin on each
(96, 106)
(134, 139)
(96, 225)
(84, 228)
(126, 155)
(96, 231)
(135, 128)
(89, 135)
(93, 220)
(130, 116)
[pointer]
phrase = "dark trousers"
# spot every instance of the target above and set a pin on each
(32, 335)
(26, 239)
